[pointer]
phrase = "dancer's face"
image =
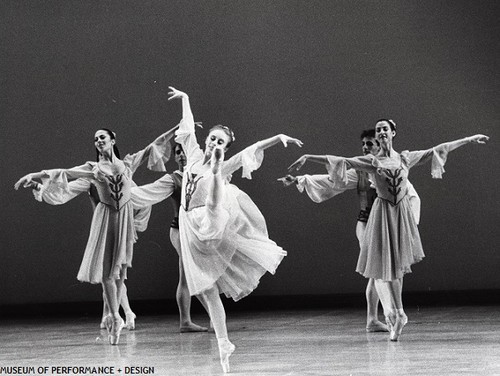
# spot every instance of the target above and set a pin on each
(370, 146)
(383, 132)
(216, 138)
(180, 157)
(103, 141)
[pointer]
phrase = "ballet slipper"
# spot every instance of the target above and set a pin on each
(108, 322)
(117, 325)
(192, 328)
(130, 320)
(376, 326)
(390, 320)
(216, 160)
(226, 348)
(401, 321)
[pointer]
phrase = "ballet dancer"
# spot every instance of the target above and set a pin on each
(224, 241)
(320, 188)
(109, 249)
(392, 242)
(124, 302)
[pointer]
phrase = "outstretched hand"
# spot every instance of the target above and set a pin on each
(289, 140)
(297, 165)
(288, 180)
(26, 181)
(479, 139)
(174, 93)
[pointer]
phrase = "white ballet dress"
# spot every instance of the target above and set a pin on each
(227, 246)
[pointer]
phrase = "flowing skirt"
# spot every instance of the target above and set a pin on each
(227, 246)
(109, 248)
(391, 242)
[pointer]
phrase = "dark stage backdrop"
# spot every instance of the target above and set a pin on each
(318, 70)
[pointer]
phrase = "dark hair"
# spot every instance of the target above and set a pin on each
(113, 137)
(177, 145)
(391, 123)
(368, 133)
(227, 131)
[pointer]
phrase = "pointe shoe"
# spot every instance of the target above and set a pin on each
(102, 325)
(390, 320)
(117, 325)
(226, 348)
(216, 160)
(401, 321)
(130, 321)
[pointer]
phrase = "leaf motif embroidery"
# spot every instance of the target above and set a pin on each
(116, 186)
(394, 181)
(191, 186)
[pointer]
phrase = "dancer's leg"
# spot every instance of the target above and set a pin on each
(372, 300)
(125, 304)
(391, 294)
(216, 188)
(114, 322)
(218, 317)
(182, 294)
(105, 310)
(372, 297)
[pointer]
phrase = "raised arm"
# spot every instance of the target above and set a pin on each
(187, 123)
(156, 153)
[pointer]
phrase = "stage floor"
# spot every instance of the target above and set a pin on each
(437, 341)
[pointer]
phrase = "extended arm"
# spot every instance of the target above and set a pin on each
(26, 181)
(452, 145)
(297, 165)
(320, 187)
(284, 139)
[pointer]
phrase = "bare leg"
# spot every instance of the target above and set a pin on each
(372, 297)
(182, 295)
(125, 304)
(372, 300)
(218, 317)
(105, 310)
(391, 295)
(114, 322)
(216, 189)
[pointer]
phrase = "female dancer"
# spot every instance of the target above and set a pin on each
(109, 249)
(224, 242)
(124, 302)
(392, 242)
(320, 188)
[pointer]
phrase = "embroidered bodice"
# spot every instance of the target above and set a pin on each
(114, 190)
(392, 184)
(194, 187)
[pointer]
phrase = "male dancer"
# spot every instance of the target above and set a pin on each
(170, 185)
(182, 295)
